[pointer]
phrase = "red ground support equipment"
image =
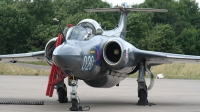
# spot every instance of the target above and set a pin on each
(53, 79)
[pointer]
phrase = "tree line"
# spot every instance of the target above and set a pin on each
(27, 25)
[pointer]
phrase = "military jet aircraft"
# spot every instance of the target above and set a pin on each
(103, 58)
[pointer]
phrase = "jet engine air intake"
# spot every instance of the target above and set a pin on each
(113, 54)
(49, 48)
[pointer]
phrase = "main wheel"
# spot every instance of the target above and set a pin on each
(62, 96)
(142, 97)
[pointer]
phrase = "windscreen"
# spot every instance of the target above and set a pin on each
(78, 33)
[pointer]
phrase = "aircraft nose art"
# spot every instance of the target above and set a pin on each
(65, 56)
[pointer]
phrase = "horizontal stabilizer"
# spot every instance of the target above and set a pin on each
(126, 9)
(146, 10)
(103, 10)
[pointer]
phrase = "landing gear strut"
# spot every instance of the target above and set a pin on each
(142, 87)
(73, 82)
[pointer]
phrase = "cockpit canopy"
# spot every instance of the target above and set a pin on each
(85, 30)
(92, 24)
(77, 33)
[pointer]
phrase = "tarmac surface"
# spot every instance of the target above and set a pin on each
(169, 95)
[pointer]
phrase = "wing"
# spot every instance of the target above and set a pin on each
(39, 55)
(157, 58)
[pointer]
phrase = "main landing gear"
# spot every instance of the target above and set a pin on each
(62, 92)
(142, 87)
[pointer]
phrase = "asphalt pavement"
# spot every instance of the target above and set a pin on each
(169, 95)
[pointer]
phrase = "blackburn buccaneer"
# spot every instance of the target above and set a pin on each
(102, 58)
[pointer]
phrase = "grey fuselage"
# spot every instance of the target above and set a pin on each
(100, 58)
(85, 60)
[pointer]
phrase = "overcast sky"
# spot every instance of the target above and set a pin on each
(129, 2)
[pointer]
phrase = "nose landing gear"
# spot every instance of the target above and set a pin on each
(73, 82)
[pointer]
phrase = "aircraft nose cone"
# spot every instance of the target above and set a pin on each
(66, 56)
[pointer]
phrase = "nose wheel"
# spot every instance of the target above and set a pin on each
(75, 105)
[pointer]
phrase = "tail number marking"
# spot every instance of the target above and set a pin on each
(88, 62)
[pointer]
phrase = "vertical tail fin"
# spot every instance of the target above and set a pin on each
(120, 30)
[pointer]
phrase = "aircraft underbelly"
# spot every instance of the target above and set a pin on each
(93, 73)
(104, 82)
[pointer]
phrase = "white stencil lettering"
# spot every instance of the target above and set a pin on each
(88, 62)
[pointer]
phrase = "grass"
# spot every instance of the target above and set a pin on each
(44, 63)
(176, 71)
(12, 69)
(170, 71)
